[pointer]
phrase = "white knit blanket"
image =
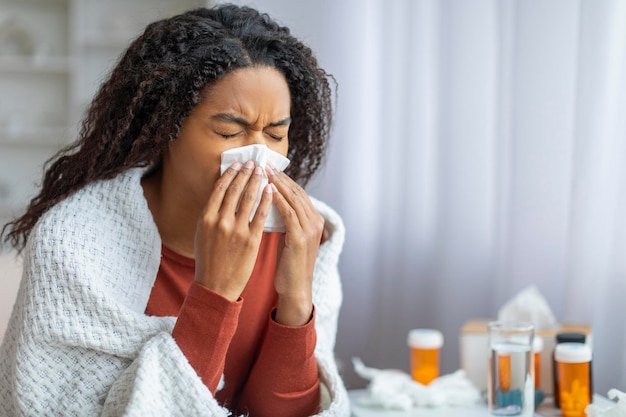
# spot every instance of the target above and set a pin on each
(79, 343)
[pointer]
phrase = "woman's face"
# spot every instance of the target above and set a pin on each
(247, 106)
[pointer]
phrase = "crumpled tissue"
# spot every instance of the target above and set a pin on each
(261, 155)
(617, 410)
(529, 305)
(395, 390)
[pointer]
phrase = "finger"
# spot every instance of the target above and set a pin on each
(236, 188)
(290, 215)
(293, 193)
(221, 185)
(250, 195)
(263, 210)
(309, 220)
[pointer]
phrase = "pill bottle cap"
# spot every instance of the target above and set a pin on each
(425, 338)
(570, 338)
(537, 344)
(572, 353)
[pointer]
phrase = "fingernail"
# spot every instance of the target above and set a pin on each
(268, 189)
(249, 164)
(258, 171)
(269, 170)
(236, 166)
(274, 188)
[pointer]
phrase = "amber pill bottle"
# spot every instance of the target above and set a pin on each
(573, 364)
(568, 337)
(424, 345)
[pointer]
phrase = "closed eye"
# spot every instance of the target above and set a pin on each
(228, 135)
(277, 138)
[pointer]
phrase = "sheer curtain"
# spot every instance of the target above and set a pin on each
(480, 148)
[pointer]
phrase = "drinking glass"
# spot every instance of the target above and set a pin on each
(511, 368)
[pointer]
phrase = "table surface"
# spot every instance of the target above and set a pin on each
(544, 410)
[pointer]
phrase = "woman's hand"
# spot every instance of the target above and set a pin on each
(226, 242)
(304, 228)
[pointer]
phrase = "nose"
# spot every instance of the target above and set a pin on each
(256, 137)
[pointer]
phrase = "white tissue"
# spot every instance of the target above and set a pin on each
(529, 305)
(261, 155)
(617, 410)
(395, 390)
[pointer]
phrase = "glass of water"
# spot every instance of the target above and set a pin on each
(511, 388)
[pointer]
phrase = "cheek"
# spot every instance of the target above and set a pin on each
(194, 159)
(196, 168)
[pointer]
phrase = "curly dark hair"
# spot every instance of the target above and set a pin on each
(160, 79)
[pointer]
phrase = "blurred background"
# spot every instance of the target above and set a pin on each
(479, 148)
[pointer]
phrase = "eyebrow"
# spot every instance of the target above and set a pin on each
(227, 117)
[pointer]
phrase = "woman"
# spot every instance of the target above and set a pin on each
(150, 287)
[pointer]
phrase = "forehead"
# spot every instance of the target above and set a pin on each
(249, 91)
